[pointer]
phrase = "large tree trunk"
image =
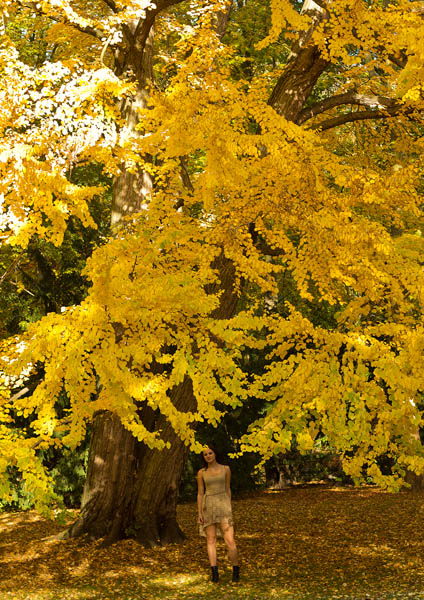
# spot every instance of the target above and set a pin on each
(131, 490)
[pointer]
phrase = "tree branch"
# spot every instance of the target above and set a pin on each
(83, 29)
(23, 289)
(222, 18)
(96, 33)
(144, 26)
(185, 175)
(265, 249)
(352, 97)
(360, 116)
(261, 244)
(304, 66)
(310, 5)
(111, 4)
(399, 61)
(10, 269)
(19, 394)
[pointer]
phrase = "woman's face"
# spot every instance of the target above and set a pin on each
(209, 455)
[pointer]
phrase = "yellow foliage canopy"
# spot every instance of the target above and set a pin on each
(276, 198)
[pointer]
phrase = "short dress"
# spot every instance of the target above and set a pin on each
(216, 505)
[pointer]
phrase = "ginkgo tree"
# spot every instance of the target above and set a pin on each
(234, 167)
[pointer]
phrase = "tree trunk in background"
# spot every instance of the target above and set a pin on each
(416, 482)
(131, 490)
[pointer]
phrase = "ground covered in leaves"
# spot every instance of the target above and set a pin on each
(300, 544)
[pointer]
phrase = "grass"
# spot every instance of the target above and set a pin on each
(299, 544)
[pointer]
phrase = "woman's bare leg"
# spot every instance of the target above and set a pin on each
(211, 543)
(228, 532)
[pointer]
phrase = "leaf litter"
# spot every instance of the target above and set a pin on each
(304, 543)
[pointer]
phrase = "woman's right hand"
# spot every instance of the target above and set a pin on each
(200, 519)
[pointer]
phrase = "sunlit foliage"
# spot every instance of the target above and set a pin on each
(333, 205)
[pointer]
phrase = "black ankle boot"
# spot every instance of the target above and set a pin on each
(236, 573)
(215, 576)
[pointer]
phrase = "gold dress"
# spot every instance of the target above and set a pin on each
(216, 505)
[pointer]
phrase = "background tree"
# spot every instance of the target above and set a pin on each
(227, 179)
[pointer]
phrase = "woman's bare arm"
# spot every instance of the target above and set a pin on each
(228, 480)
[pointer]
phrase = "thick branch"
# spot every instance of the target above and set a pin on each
(303, 69)
(324, 5)
(222, 19)
(311, 5)
(359, 116)
(380, 102)
(19, 394)
(145, 25)
(96, 33)
(111, 4)
(185, 175)
(400, 61)
(261, 244)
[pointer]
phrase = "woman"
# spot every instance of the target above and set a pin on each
(214, 505)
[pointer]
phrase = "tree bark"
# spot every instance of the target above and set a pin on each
(131, 490)
(303, 69)
(131, 191)
(416, 482)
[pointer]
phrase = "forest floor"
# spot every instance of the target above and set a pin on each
(310, 543)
